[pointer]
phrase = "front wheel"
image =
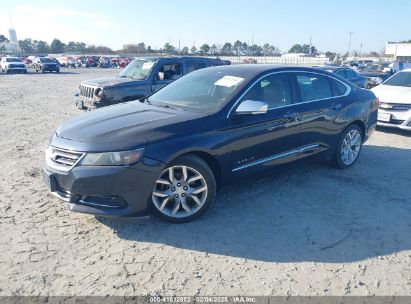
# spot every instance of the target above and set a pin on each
(349, 147)
(184, 190)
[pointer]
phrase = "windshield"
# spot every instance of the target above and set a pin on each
(203, 91)
(13, 60)
(401, 79)
(138, 69)
(46, 60)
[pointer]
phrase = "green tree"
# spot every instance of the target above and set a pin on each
(204, 49)
(56, 46)
(3, 39)
(184, 51)
(70, 47)
(296, 48)
(237, 47)
(227, 49)
(214, 50)
(168, 48)
(26, 45)
(42, 47)
(193, 50)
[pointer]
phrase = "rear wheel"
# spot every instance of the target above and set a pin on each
(349, 147)
(184, 190)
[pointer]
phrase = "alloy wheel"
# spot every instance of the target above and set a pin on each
(180, 191)
(351, 147)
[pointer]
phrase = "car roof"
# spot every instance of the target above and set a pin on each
(406, 70)
(251, 70)
(331, 67)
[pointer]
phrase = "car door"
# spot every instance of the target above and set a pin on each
(166, 72)
(322, 100)
(261, 141)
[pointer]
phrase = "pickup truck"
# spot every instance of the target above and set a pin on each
(139, 79)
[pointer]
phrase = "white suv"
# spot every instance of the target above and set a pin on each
(12, 64)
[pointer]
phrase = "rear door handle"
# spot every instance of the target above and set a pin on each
(335, 106)
(292, 116)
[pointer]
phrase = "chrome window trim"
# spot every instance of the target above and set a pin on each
(348, 91)
(275, 156)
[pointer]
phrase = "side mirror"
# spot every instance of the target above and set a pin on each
(160, 76)
(252, 107)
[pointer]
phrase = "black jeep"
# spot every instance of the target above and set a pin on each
(139, 79)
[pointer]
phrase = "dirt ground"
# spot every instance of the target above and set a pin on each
(308, 231)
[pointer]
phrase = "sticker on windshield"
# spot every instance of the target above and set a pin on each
(228, 81)
(147, 65)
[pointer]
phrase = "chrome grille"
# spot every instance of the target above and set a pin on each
(87, 91)
(62, 160)
(395, 106)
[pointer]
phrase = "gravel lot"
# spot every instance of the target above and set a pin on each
(308, 231)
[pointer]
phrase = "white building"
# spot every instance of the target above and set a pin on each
(13, 36)
(400, 51)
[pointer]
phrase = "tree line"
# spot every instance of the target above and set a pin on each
(237, 48)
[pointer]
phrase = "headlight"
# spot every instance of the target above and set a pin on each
(99, 92)
(120, 158)
(377, 80)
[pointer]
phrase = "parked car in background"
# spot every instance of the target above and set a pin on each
(45, 64)
(10, 64)
(140, 78)
(395, 101)
(346, 73)
(169, 153)
(67, 61)
(249, 60)
(27, 62)
(376, 73)
(104, 62)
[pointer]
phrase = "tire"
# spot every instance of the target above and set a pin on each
(349, 147)
(183, 201)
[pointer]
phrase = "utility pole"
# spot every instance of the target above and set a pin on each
(349, 42)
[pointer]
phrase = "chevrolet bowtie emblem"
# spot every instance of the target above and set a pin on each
(385, 106)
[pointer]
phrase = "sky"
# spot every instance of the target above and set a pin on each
(281, 23)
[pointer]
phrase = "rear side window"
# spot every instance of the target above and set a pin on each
(193, 66)
(339, 88)
(314, 87)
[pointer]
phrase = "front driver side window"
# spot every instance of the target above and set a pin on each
(274, 90)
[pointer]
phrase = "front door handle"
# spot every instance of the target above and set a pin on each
(335, 106)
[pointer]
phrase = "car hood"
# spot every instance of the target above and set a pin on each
(113, 81)
(392, 94)
(123, 126)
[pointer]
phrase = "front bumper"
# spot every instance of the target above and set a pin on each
(51, 68)
(17, 69)
(398, 119)
(119, 191)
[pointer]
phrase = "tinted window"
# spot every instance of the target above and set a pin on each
(341, 73)
(192, 66)
(314, 86)
(350, 74)
(339, 88)
(274, 90)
